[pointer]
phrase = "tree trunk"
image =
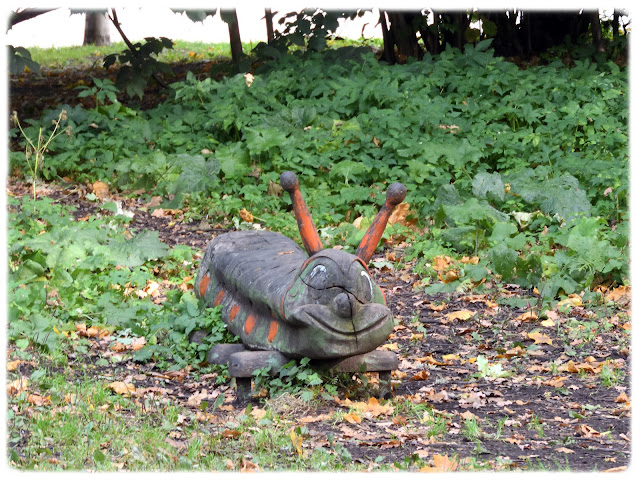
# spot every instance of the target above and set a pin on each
(596, 29)
(400, 32)
(404, 33)
(268, 16)
(507, 41)
(429, 35)
(388, 54)
(615, 24)
(230, 17)
(454, 24)
(96, 29)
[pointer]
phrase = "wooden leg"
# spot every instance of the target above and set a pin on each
(384, 378)
(243, 389)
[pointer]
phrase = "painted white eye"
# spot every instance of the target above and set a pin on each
(318, 277)
(367, 285)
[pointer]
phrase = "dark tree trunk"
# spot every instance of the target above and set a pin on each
(96, 29)
(453, 26)
(596, 29)
(230, 17)
(400, 33)
(429, 35)
(268, 16)
(403, 32)
(507, 41)
(544, 30)
(388, 54)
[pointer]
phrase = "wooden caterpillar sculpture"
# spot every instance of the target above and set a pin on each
(321, 304)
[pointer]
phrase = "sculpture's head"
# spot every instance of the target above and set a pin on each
(333, 298)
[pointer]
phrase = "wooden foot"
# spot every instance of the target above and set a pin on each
(243, 389)
(220, 354)
(384, 379)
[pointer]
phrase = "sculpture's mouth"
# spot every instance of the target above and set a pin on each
(369, 317)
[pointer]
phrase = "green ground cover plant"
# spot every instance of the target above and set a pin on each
(493, 156)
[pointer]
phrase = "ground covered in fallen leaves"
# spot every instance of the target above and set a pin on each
(484, 380)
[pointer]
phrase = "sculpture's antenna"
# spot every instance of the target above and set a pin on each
(308, 232)
(395, 195)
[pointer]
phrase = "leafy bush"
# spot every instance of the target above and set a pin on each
(139, 64)
(512, 165)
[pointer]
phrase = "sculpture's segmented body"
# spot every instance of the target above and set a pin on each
(320, 304)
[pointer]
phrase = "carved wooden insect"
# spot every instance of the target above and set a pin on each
(320, 304)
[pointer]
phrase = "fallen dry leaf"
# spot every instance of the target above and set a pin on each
(390, 346)
(586, 431)
(437, 308)
(371, 408)
(556, 382)
(100, 190)
(421, 375)
(460, 315)
(122, 388)
(526, 316)
(296, 440)
(258, 413)
(450, 276)
(622, 398)
(17, 386)
(573, 300)
(196, 399)
(440, 263)
(138, 343)
(539, 338)
(551, 314)
(400, 214)
(248, 466)
(467, 415)
(621, 468)
(441, 464)
(621, 292)
(38, 400)
(11, 366)
(564, 450)
(245, 215)
(352, 418)
(314, 418)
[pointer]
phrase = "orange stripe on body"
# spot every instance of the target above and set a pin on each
(219, 298)
(204, 283)
(384, 297)
(273, 329)
(233, 312)
(249, 323)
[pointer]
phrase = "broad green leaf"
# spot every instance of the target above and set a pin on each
(137, 250)
(486, 185)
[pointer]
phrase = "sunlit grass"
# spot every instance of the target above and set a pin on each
(88, 56)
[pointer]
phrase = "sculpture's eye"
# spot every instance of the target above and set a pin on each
(366, 286)
(318, 278)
